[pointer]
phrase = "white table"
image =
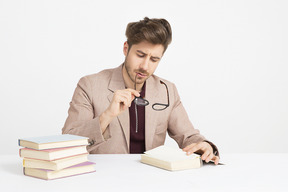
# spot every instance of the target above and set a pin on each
(242, 172)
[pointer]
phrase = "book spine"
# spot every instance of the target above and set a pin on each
(73, 175)
(20, 152)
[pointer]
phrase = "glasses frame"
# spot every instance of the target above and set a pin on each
(161, 104)
(143, 102)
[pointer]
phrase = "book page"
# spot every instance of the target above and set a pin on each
(54, 138)
(170, 154)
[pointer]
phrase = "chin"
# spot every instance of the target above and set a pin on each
(144, 79)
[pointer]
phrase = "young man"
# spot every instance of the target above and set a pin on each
(110, 107)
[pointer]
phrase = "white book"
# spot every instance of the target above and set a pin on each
(171, 159)
(53, 141)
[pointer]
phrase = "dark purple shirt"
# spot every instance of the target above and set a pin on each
(137, 139)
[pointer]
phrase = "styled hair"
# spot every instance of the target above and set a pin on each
(155, 31)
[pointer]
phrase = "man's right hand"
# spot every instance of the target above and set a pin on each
(121, 101)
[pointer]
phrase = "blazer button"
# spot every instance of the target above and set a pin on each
(91, 142)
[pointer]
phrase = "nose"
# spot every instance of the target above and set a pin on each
(145, 63)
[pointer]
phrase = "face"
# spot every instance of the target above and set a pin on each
(141, 61)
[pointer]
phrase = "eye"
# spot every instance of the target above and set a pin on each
(154, 60)
(140, 55)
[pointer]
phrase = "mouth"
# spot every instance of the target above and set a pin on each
(141, 75)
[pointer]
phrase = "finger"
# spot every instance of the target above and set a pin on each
(134, 92)
(128, 96)
(189, 147)
(120, 98)
(125, 93)
(209, 157)
(123, 101)
(196, 148)
(216, 160)
(129, 93)
(205, 156)
(124, 107)
(193, 149)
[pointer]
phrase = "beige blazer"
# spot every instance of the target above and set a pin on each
(93, 95)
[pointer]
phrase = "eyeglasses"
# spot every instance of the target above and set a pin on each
(156, 106)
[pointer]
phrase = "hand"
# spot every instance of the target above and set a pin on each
(120, 102)
(203, 148)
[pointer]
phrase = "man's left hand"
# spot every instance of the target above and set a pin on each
(203, 148)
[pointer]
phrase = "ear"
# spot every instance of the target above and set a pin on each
(125, 48)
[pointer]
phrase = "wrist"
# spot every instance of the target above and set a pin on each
(107, 114)
(105, 119)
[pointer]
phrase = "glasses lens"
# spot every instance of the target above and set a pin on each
(140, 101)
(159, 107)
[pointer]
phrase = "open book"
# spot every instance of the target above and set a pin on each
(171, 159)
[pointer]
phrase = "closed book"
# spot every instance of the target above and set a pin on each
(86, 167)
(55, 164)
(172, 159)
(54, 141)
(52, 154)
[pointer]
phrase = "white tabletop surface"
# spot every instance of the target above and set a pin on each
(241, 172)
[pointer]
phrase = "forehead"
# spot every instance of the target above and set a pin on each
(149, 48)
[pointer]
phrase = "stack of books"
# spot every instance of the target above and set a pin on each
(53, 157)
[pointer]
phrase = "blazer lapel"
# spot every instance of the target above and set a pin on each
(117, 83)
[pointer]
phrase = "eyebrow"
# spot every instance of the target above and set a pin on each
(141, 52)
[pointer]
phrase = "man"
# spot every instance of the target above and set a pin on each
(111, 107)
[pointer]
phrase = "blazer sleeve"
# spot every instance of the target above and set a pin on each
(81, 119)
(180, 127)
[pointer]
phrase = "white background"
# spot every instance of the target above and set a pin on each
(228, 60)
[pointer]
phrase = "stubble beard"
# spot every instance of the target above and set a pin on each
(130, 74)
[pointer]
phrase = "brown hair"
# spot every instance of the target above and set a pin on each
(155, 31)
